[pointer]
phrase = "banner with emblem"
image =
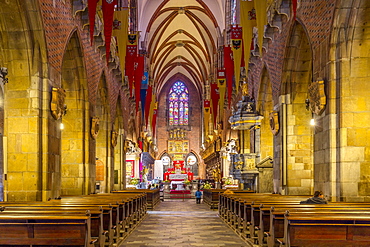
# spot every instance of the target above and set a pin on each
(91, 6)
(215, 96)
(221, 83)
(108, 13)
(148, 101)
(143, 92)
(154, 120)
(236, 47)
(229, 71)
(207, 111)
(138, 77)
(130, 59)
(261, 15)
(248, 21)
(120, 30)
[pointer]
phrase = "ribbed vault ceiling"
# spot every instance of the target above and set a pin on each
(181, 38)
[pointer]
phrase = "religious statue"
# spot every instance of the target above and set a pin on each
(216, 174)
(245, 91)
(144, 174)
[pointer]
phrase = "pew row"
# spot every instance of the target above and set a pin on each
(262, 219)
(211, 196)
(112, 216)
(152, 196)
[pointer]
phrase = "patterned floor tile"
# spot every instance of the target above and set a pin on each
(182, 223)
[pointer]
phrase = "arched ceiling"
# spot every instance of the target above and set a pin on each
(181, 38)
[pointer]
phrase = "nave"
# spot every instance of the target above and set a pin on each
(183, 223)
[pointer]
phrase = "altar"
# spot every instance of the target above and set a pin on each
(178, 172)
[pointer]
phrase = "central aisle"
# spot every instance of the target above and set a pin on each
(183, 223)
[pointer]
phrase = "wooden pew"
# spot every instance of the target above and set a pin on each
(96, 217)
(152, 196)
(45, 230)
(275, 231)
(114, 209)
(331, 229)
(211, 196)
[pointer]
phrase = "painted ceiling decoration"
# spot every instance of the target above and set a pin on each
(181, 39)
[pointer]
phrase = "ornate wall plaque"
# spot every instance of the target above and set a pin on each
(57, 105)
(274, 122)
(317, 97)
(178, 146)
(94, 127)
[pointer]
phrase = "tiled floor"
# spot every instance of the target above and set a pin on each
(183, 223)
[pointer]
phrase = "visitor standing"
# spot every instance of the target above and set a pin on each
(198, 196)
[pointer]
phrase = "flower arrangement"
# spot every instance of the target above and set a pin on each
(134, 181)
(207, 186)
(166, 181)
(186, 181)
(228, 181)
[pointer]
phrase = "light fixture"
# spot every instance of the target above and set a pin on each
(61, 126)
(312, 122)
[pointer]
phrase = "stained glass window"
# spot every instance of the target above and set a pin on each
(178, 104)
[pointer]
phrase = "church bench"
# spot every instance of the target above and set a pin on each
(152, 196)
(45, 230)
(99, 215)
(130, 211)
(118, 211)
(275, 229)
(212, 199)
(332, 229)
(236, 210)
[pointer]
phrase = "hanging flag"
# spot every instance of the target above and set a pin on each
(294, 6)
(154, 120)
(108, 12)
(120, 31)
(221, 83)
(229, 70)
(131, 54)
(215, 96)
(138, 77)
(261, 14)
(91, 5)
(151, 108)
(143, 91)
(148, 102)
(236, 46)
(207, 111)
(248, 21)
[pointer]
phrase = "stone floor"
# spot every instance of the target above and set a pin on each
(183, 223)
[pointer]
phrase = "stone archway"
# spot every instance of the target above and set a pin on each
(74, 170)
(296, 147)
(264, 148)
(103, 145)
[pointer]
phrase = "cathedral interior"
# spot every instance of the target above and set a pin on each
(267, 95)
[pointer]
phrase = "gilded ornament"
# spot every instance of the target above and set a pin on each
(274, 122)
(94, 127)
(57, 105)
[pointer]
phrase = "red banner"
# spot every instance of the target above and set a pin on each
(229, 70)
(294, 6)
(130, 60)
(138, 76)
(236, 47)
(215, 96)
(91, 4)
(108, 11)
